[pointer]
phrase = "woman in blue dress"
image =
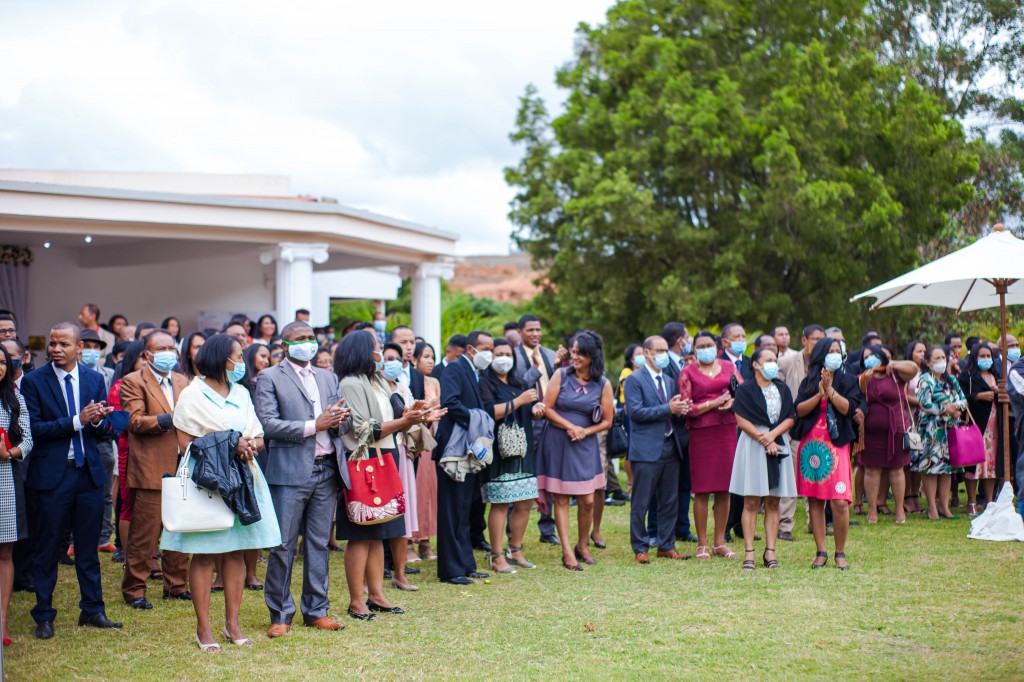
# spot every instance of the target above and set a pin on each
(215, 401)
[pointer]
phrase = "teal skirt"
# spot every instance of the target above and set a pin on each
(263, 534)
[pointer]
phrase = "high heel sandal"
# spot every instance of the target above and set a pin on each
(510, 550)
(840, 555)
(599, 545)
(822, 564)
(490, 562)
(208, 648)
(580, 557)
(571, 567)
(769, 563)
(703, 552)
(729, 554)
(244, 641)
(748, 564)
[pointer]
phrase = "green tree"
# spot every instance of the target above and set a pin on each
(721, 159)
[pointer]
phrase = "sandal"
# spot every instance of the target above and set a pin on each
(748, 564)
(490, 562)
(728, 553)
(858, 509)
(703, 552)
(821, 555)
(510, 550)
(883, 509)
(580, 556)
(244, 641)
(840, 555)
(769, 563)
(208, 648)
(571, 567)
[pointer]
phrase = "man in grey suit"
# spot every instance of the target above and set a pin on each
(530, 355)
(303, 418)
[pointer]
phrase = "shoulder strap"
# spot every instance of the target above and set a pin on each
(900, 397)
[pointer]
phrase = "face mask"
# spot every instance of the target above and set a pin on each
(482, 360)
(238, 373)
(302, 351)
(833, 361)
(985, 364)
(380, 325)
(90, 356)
(939, 367)
(639, 361)
(502, 365)
(15, 364)
(770, 370)
(687, 349)
(871, 362)
(330, 337)
(661, 360)
(379, 364)
(165, 360)
(392, 370)
(706, 356)
(1012, 354)
(738, 347)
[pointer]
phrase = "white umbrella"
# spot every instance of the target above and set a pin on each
(986, 274)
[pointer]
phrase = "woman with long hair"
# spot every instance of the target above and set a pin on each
(978, 382)
(266, 331)
(914, 353)
(943, 404)
(189, 349)
(173, 326)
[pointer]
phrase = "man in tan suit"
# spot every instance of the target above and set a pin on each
(149, 396)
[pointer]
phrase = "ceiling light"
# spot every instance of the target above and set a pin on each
(88, 239)
(46, 245)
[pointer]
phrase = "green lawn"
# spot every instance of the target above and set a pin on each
(922, 602)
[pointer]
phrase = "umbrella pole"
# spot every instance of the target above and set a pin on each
(1001, 287)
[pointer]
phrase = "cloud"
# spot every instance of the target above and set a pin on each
(399, 107)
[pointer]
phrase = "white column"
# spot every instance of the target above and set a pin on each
(294, 278)
(426, 300)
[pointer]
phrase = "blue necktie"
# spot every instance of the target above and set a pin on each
(664, 399)
(76, 438)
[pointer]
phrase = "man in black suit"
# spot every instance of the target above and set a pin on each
(411, 377)
(456, 347)
(66, 402)
(460, 392)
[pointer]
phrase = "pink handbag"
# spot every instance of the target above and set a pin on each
(966, 444)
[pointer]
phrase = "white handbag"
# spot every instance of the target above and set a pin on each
(187, 508)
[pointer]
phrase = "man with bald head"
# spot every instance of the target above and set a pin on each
(67, 405)
(149, 396)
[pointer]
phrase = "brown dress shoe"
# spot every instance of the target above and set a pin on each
(278, 630)
(325, 623)
(672, 554)
(642, 558)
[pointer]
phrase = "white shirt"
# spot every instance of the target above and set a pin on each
(677, 359)
(324, 446)
(658, 374)
(167, 388)
(405, 378)
(76, 389)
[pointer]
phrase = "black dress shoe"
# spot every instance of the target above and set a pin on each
(478, 575)
(44, 630)
(97, 620)
(374, 606)
(139, 603)
(482, 546)
(24, 587)
(387, 574)
(409, 570)
(786, 535)
(612, 502)
(183, 596)
(620, 495)
(457, 580)
(65, 560)
(118, 556)
(360, 616)
(689, 537)
(550, 539)
(728, 536)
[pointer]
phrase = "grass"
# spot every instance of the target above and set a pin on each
(922, 602)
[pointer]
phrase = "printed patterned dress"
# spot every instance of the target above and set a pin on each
(823, 470)
(934, 395)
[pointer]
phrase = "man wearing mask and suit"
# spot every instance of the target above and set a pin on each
(303, 417)
(679, 345)
(452, 352)
(460, 393)
(380, 327)
(67, 404)
(148, 396)
(410, 377)
(734, 345)
(655, 412)
(532, 355)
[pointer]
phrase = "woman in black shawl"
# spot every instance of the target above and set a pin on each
(824, 427)
(764, 415)
(978, 382)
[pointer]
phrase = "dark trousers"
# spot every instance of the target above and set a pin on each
(454, 504)
(683, 517)
(735, 514)
(24, 553)
(75, 503)
(650, 478)
(477, 518)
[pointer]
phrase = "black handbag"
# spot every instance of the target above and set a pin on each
(832, 422)
(618, 442)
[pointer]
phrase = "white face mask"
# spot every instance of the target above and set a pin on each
(939, 367)
(303, 351)
(482, 359)
(502, 365)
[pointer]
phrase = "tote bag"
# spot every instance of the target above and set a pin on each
(376, 495)
(966, 444)
(187, 508)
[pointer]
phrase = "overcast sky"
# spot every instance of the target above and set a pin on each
(403, 108)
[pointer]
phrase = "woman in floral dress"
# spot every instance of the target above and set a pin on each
(942, 405)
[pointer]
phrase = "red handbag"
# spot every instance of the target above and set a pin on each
(966, 444)
(376, 495)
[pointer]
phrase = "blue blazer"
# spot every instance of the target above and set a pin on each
(648, 414)
(52, 427)
(460, 392)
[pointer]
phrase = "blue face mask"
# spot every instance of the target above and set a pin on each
(687, 349)
(661, 360)
(639, 361)
(165, 361)
(15, 364)
(90, 357)
(738, 347)
(770, 370)
(706, 356)
(985, 364)
(379, 364)
(833, 361)
(871, 362)
(238, 373)
(380, 325)
(392, 370)
(1013, 354)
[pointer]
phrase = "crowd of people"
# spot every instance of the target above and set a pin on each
(289, 424)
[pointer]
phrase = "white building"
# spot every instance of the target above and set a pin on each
(202, 247)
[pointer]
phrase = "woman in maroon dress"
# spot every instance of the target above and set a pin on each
(712, 428)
